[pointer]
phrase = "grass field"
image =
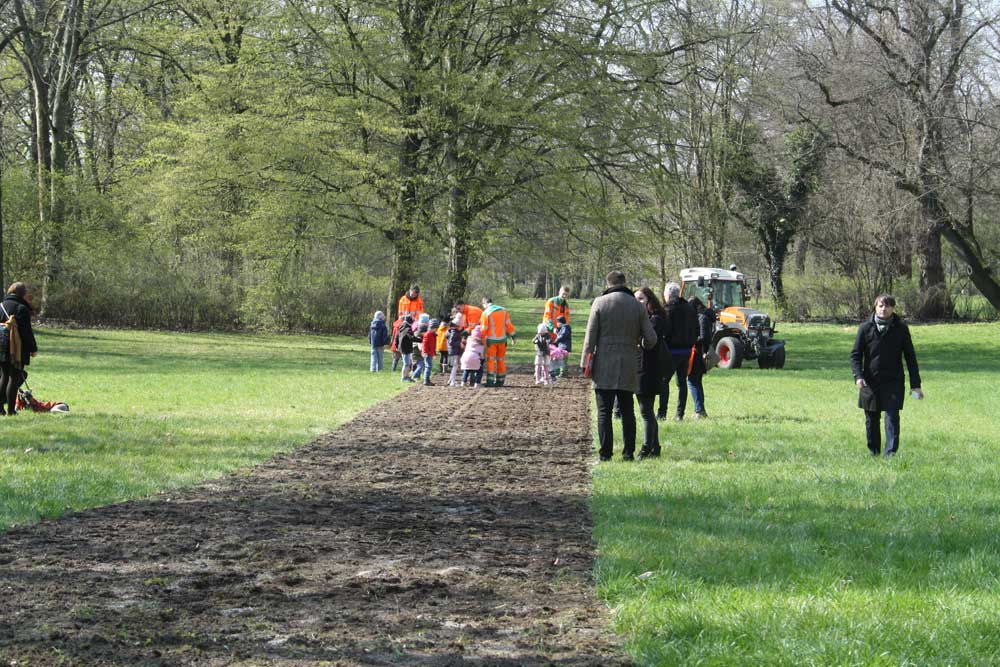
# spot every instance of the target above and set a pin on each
(767, 535)
(152, 411)
(764, 536)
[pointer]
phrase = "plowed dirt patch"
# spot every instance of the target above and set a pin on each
(444, 527)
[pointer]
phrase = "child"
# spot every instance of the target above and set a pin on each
(541, 341)
(442, 344)
(429, 346)
(472, 359)
(404, 343)
(564, 341)
(454, 339)
(393, 347)
(378, 338)
(418, 342)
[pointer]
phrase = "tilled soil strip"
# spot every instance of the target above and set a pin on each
(443, 527)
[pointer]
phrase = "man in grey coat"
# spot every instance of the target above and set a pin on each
(617, 326)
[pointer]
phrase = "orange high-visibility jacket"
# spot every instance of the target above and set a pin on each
(497, 327)
(408, 306)
(554, 310)
(472, 315)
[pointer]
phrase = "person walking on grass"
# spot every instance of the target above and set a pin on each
(653, 365)
(698, 368)
(617, 326)
(882, 344)
(683, 333)
(17, 344)
(378, 338)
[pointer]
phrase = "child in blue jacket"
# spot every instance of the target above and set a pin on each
(378, 338)
(564, 340)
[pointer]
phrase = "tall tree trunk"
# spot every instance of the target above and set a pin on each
(458, 247)
(540, 283)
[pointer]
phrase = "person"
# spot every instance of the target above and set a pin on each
(393, 346)
(442, 345)
(682, 327)
(652, 371)
(378, 338)
(472, 359)
(556, 307)
(756, 289)
(616, 327)
(564, 341)
(706, 329)
(542, 340)
(428, 346)
(404, 343)
(411, 303)
(471, 315)
(17, 345)
(455, 340)
(882, 343)
(419, 329)
(497, 331)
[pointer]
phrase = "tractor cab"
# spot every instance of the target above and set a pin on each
(741, 332)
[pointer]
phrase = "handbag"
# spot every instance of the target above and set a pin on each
(711, 358)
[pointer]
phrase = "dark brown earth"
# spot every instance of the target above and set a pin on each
(443, 527)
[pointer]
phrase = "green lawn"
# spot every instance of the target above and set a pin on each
(768, 536)
(152, 411)
(764, 536)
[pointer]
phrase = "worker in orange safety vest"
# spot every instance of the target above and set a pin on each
(411, 303)
(497, 331)
(556, 307)
(471, 315)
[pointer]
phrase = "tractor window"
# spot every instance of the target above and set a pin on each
(727, 293)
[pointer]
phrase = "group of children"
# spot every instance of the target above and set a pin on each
(553, 343)
(415, 342)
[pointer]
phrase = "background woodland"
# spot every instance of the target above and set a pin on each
(295, 165)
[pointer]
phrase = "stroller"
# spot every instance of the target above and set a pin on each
(26, 401)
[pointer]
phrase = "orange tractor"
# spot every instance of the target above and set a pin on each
(741, 332)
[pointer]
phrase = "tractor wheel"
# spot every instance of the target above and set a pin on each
(778, 360)
(730, 352)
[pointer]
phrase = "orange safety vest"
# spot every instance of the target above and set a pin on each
(472, 316)
(554, 311)
(497, 327)
(408, 306)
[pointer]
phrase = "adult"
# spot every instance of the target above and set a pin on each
(652, 369)
(882, 343)
(683, 333)
(498, 330)
(411, 303)
(706, 329)
(617, 326)
(17, 344)
(471, 315)
(556, 307)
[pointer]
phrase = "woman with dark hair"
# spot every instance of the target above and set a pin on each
(706, 327)
(652, 371)
(17, 344)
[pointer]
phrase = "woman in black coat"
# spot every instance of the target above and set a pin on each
(16, 304)
(652, 368)
(877, 363)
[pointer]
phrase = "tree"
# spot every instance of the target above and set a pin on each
(895, 78)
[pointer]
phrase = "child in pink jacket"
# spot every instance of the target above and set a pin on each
(472, 359)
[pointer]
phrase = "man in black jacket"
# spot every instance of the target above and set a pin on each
(682, 324)
(877, 362)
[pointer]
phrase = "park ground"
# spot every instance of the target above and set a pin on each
(765, 535)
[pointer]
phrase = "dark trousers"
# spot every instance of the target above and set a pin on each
(697, 392)
(679, 373)
(873, 431)
(651, 430)
(11, 380)
(605, 423)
